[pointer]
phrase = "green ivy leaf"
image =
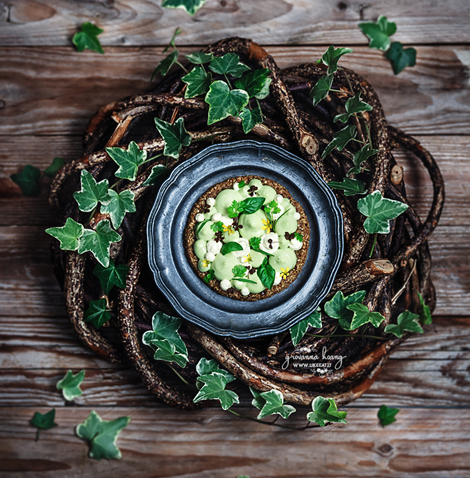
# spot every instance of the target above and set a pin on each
(337, 307)
(254, 82)
(228, 64)
(91, 192)
(386, 415)
(206, 367)
(349, 186)
(56, 164)
(68, 235)
(224, 102)
(165, 65)
(250, 118)
(271, 403)
(214, 389)
(325, 410)
(87, 37)
(321, 89)
(425, 312)
(229, 247)
(199, 58)
(166, 351)
(406, 321)
(156, 172)
(70, 385)
(379, 212)
(117, 205)
(97, 313)
(379, 33)
(27, 180)
(340, 139)
(401, 57)
(353, 106)
(198, 81)
(362, 315)
(43, 421)
(266, 274)
(331, 57)
(298, 330)
(172, 41)
(128, 160)
(102, 435)
(239, 271)
(190, 6)
(99, 241)
(113, 275)
(360, 157)
(174, 135)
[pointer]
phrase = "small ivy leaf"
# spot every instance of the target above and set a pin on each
(321, 89)
(173, 38)
(379, 33)
(156, 172)
(97, 313)
(336, 308)
(88, 38)
(165, 65)
(68, 235)
(265, 90)
(117, 205)
(353, 106)
(274, 405)
(250, 118)
(228, 64)
(56, 164)
(325, 410)
(224, 102)
(362, 315)
(70, 385)
(214, 389)
(27, 180)
(331, 57)
(386, 415)
(102, 435)
(174, 135)
(360, 157)
(198, 81)
(229, 247)
(91, 192)
(254, 82)
(425, 312)
(349, 186)
(406, 321)
(190, 6)
(128, 160)
(99, 241)
(379, 212)
(113, 275)
(199, 58)
(340, 139)
(166, 351)
(206, 367)
(43, 421)
(298, 330)
(266, 274)
(400, 57)
(258, 401)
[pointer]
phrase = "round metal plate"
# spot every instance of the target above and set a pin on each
(189, 295)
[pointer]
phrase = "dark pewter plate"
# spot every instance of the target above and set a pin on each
(189, 295)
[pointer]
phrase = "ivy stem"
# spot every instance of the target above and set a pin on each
(348, 335)
(264, 422)
(37, 434)
(357, 140)
(228, 81)
(181, 377)
(338, 91)
(180, 65)
(92, 214)
(373, 245)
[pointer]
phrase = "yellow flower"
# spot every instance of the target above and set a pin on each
(247, 258)
(205, 263)
(267, 225)
(284, 272)
(228, 229)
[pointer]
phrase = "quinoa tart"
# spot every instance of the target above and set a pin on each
(247, 238)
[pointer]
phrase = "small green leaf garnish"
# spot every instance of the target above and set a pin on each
(299, 329)
(331, 57)
(224, 102)
(349, 186)
(43, 421)
(68, 235)
(128, 160)
(406, 321)
(70, 385)
(360, 157)
(254, 82)
(244, 280)
(425, 312)
(321, 89)
(400, 57)
(230, 247)
(271, 403)
(272, 208)
(199, 227)
(198, 81)
(97, 313)
(241, 184)
(266, 274)
(174, 135)
(113, 275)
(325, 410)
(234, 209)
(340, 139)
(214, 389)
(27, 180)
(252, 204)
(156, 172)
(209, 276)
(298, 236)
(229, 64)
(117, 205)
(165, 65)
(190, 6)
(239, 271)
(362, 315)
(56, 164)
(250, 118)
(199, 58)
(379, 33)
(102, 435)
(336, 308)
(91, 192)
(88, 38)
(218, 226)
(255, 245)
(353, 106)
(386, 415)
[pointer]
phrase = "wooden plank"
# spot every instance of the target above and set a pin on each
(61, 98)
(168, 443)
(139, 22)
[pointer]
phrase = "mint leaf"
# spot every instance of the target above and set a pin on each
(349, 186)
(199, 58)
(386, 415)
(340, 139)
(254, 82)
(266, 274)
(27, 180)
(214, 389)
(362, 315)
(379, 212)
(400, 57)
(325, 410)
(230, 247)
(359, 157)
(379, 32)
(198, 81)
(406, 321)
(207, 367)
(99, 241)
(353, 106)
(190, 6)
(128, 160)
(425, 312)
(97, 313)
(68, 235)
(271, 403)
(228, 64)
(43, 421)
(174, 135)
(102, 435)
(224, 102)
(337, 307)
(239, 271)
(250, 118)
(251, 205)
(156, 172)
(91, 192)
(87, 37)
(298, 330)
(218, 226)
(321, 89)
(117, 205)
(111, 276)
(70, 385)
(56, 164)
(165, 65)
(331, 57)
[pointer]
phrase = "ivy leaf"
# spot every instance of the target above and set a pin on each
(113, 275)
(362, 315)
(251, 205)
(198, 81)
(166, 351)
(360, 157)
(156, 172)
(102, 435)
(321, 89)
(266, 274)
(206, 367)
(117, 205)
(325, 410)
(250, 118)
(190, 6)
(87, 37)
(224, 102)
(214, 389)
(128, 160)
(336, 308)
(174, 135)
(199, 58)
(68, 235)
(239, 271)
(43, 421)
(165, 65)
(91, 192)
(254, 82)
(228, 64)
(379, 212)
(349, 186)
(172, 41)
(331, 57)
(386, 415)
(425, 312)
(70, 385)
(379, 33)
(340, 139)
(97, 313)
(271, 403)
(406, 321)
(229, 247)
(56, 164)
(353, 106)
(299, 329)
(27, 180)
(99, 241)
(400, 57)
